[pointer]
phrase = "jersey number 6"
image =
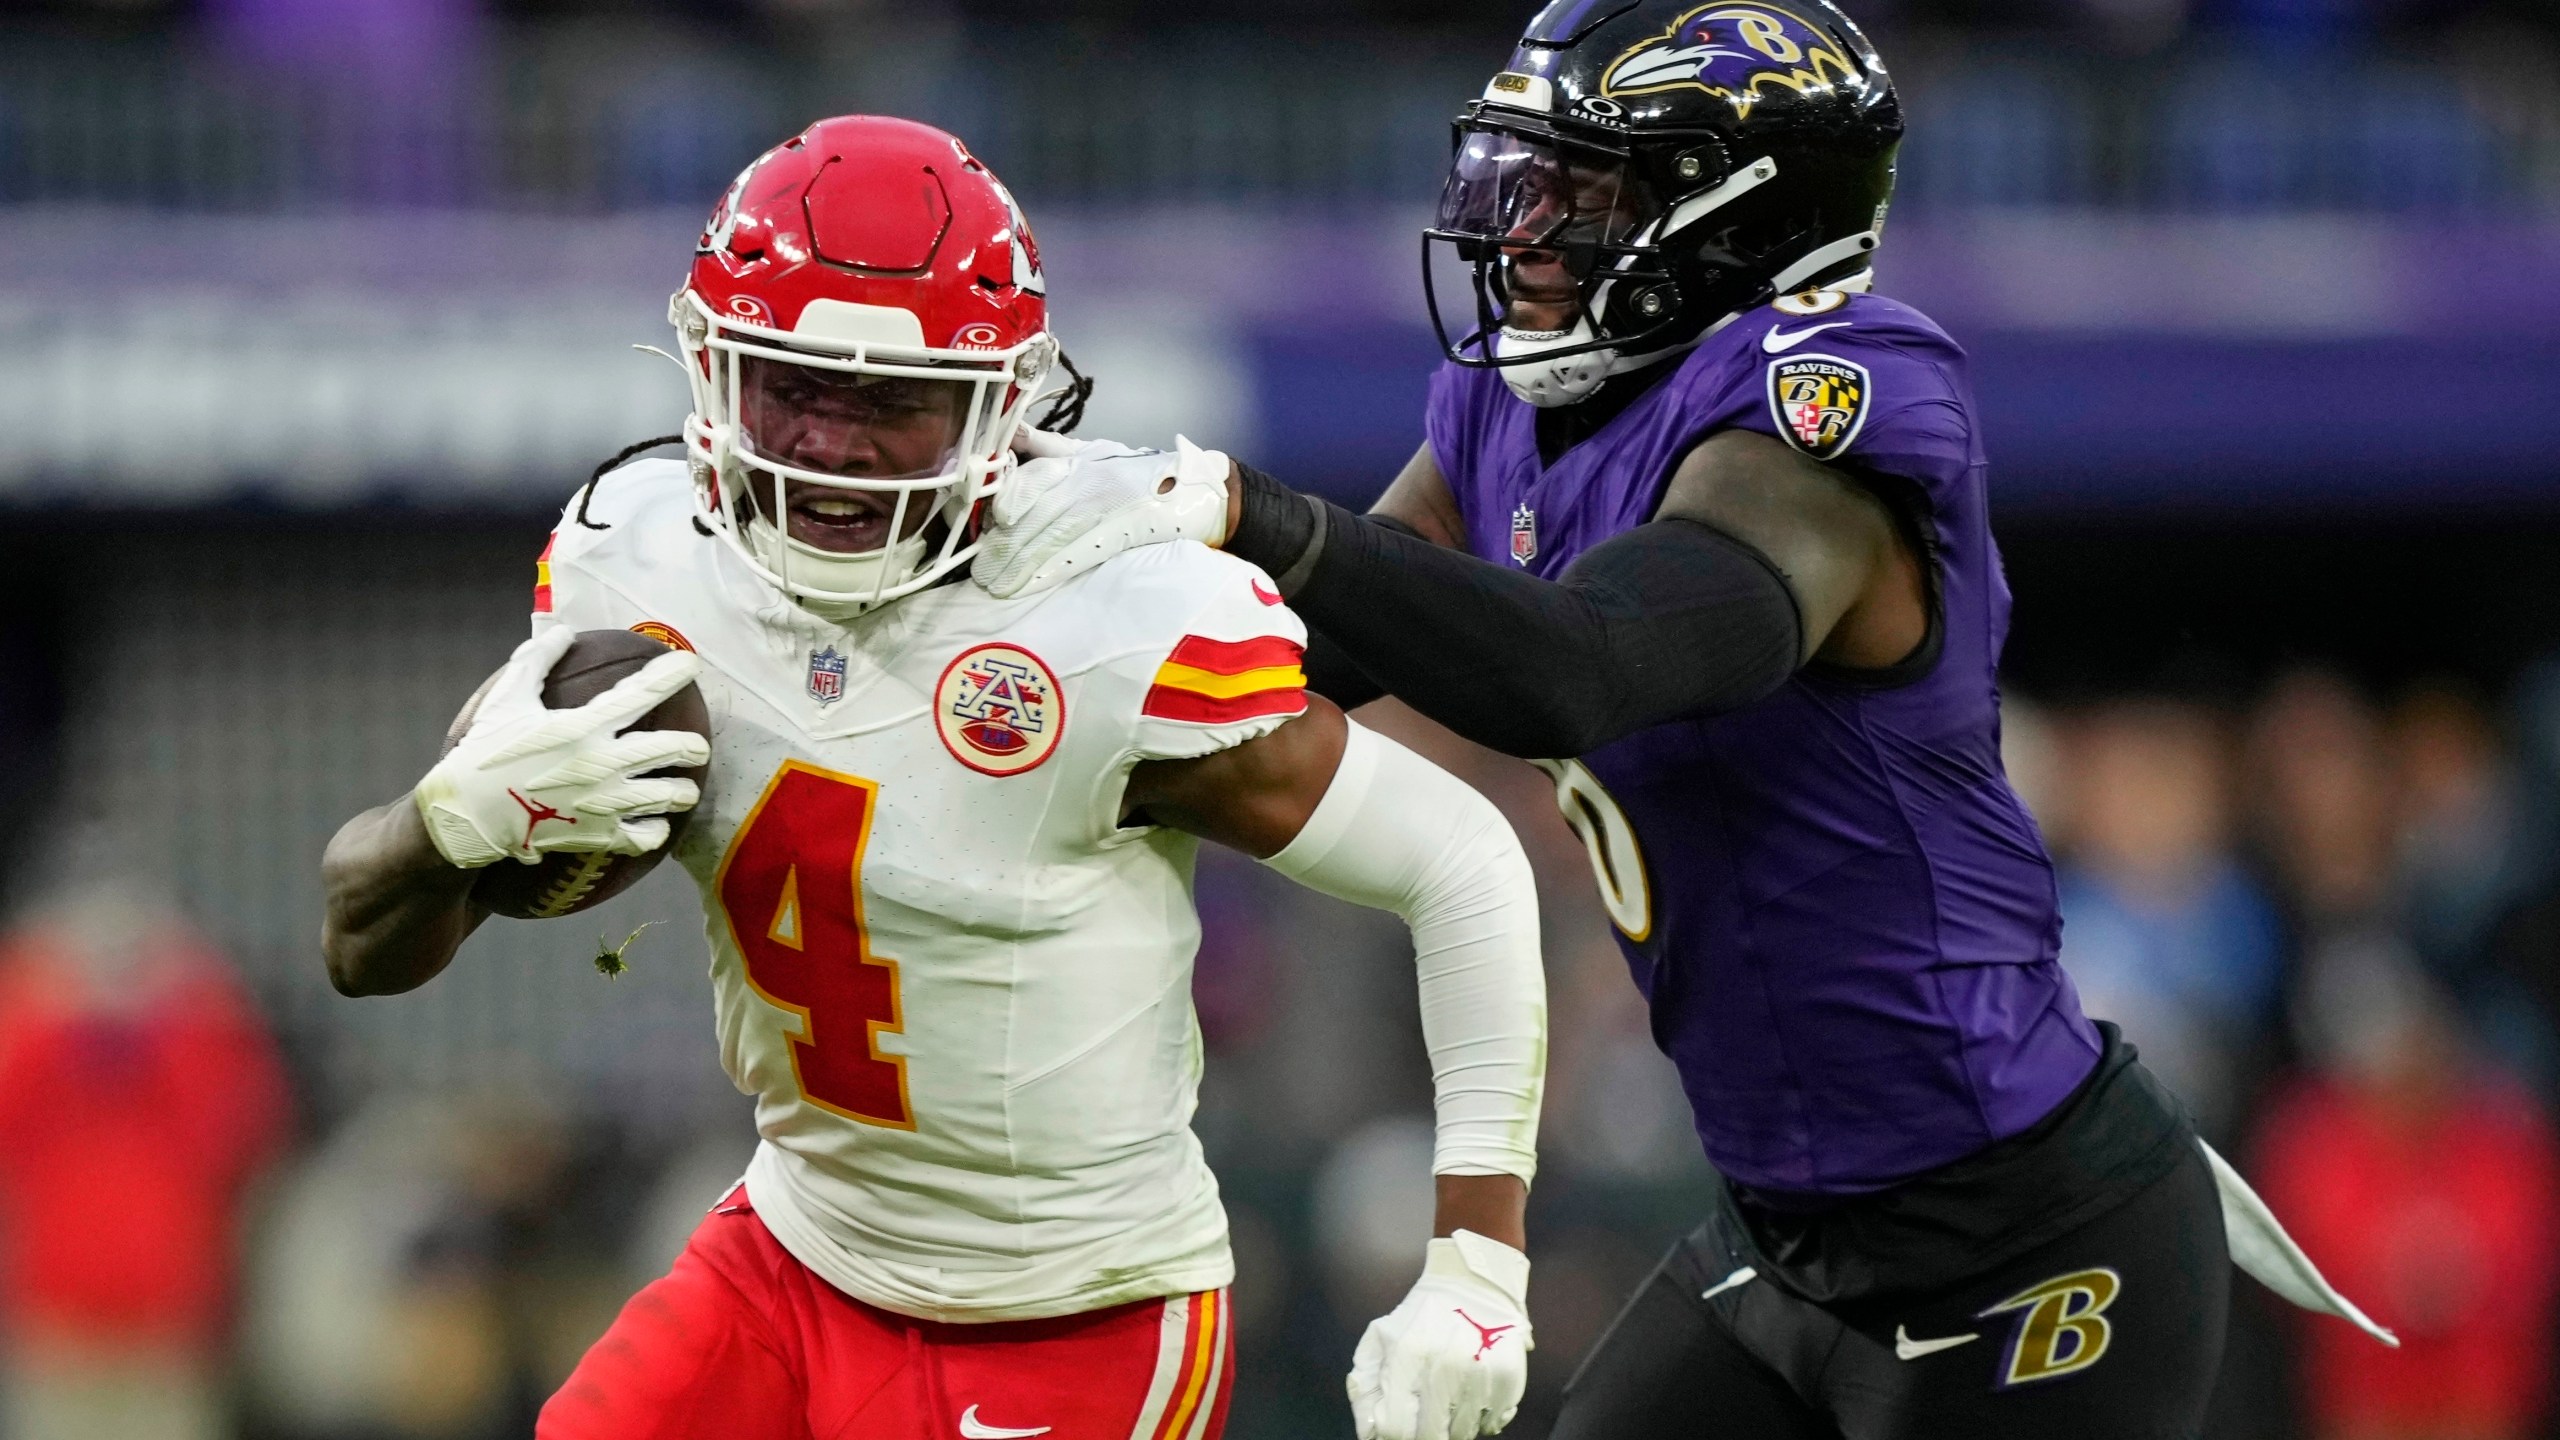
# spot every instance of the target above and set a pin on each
(791, 887)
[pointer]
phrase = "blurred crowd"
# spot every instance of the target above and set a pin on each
(2324, 917)
(2162, 21)
(2328, 917)
(2157, 20)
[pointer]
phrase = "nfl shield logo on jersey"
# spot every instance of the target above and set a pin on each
(1524, 535)
(826, 676)
(998, 710)
(1820, 402)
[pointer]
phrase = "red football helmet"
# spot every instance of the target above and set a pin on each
(864, 327)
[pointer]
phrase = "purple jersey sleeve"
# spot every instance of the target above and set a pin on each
(1450, 422)
(1872, 384)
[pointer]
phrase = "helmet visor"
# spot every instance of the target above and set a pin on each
(1546, 229)
(844, 422)
(1535, 195)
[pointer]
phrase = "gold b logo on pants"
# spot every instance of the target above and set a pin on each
(2065, 1329)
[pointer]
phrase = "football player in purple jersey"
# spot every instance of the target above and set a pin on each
(1700, 526)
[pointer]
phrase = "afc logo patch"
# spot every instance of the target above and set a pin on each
(1524, 535)
(999, 710)
(826, 676)
(2065, 1328)
(1820, 402)
(664, 634)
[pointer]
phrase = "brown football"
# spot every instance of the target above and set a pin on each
(565, 884)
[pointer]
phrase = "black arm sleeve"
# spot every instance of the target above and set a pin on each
(1331, 672)
(1672, 619)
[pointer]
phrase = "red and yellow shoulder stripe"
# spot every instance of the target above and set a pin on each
(1218, 682)
(542, 578)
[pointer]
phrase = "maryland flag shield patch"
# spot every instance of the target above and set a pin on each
(1820, 402)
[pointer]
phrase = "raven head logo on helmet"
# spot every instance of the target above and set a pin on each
(1732, 52)
(865, 323)
(1645, 170)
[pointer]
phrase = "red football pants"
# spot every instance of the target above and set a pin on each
(742, 1342)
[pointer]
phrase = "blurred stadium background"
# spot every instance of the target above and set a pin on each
(312, 312)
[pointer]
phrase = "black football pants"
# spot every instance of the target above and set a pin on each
(2112, 1332)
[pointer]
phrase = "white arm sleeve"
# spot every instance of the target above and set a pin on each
(1395, 832)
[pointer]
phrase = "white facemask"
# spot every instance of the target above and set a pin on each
(805, 564)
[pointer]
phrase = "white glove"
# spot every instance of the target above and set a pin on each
(526, 781)
(1076, 503)
(1450, 1362)
(1033, 443)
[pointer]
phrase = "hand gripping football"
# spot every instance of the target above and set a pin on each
(566, 883)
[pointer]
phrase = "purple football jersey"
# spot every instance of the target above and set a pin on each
(1847, 925)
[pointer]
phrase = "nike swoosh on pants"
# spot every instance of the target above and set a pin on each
(1906, 1348)
(972, 1428)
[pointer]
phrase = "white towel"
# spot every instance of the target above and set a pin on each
(2260, 1247)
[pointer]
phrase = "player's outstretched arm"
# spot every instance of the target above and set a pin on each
(1759, 560)
(1346, 811)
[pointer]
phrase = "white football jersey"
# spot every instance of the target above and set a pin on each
(959, 990)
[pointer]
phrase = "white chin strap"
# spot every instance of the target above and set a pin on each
(828, 570)
(1561, 381)
(847, 580)
(1567, 379)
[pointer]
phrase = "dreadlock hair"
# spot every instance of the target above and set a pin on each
(1066, 407)
(587, 492)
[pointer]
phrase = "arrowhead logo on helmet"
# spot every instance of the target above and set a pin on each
(724, 218)
(1026, 251)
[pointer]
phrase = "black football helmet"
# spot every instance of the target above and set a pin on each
(1670, 165)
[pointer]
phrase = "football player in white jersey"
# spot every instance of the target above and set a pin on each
(945, 849)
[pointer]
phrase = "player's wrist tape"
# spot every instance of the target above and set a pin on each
(1395, 832)
(1290, 581)
(1280, 530)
